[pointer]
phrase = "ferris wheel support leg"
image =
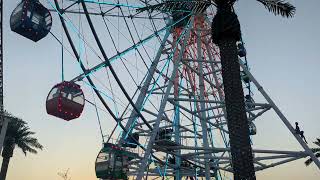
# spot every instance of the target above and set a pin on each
(203, 119)
(281, 116)
(144, 161)
(144, 88)
(176, 121)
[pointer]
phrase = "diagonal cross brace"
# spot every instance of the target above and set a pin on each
(281, 116)
(147, 153)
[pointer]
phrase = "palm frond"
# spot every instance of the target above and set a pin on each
(219, 3)
(24, 132)
(29, 146)
(151, 8)
(314, 150)
(20, 133)
(178, 5)
(308, 162)
(27, 149)
(279, 7)
(317, 142)
(33, 142)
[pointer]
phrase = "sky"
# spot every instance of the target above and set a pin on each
(283, 55)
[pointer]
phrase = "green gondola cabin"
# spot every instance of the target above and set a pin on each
(244, 77)
(249, 102)
(112, 162)
(131, 141)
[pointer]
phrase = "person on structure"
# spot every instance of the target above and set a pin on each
(297, 128)
(302, 136)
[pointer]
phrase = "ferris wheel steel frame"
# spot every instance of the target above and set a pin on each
(83, 68)
(87, 71)
(147, 153)
(89, 79)
(199, 112)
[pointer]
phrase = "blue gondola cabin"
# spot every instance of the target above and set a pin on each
(65, 101)
(31, 20)
(241, 50)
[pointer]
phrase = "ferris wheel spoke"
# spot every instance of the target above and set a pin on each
(114, 44)
(120, 54)
(82, 66)
(89, 79)
(110, 66)
(113, 58)
(107, 3)
(108, 14)
(133, 39)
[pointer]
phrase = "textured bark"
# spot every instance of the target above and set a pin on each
(7, 153)
(225, 33)
(241, 151)
(4, 168)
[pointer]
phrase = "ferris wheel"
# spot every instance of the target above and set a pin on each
(154, 77)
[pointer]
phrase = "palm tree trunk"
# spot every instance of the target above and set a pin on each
(4, 168)
(237, 122)
(7, 153)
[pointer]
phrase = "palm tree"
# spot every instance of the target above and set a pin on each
(225, 33)
(18, 135)
(314, 150)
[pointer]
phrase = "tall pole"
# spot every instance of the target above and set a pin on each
(1, 56)
(3, 121)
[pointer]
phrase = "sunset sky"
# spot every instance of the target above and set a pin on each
(284, 56)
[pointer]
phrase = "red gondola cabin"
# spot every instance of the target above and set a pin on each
(65, 101)
(31, 20)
